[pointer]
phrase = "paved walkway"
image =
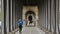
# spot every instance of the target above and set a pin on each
(31, 30)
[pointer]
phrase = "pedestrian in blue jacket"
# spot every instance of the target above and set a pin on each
(20, 23)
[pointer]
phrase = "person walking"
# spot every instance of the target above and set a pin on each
(20, 23)
(30, 19)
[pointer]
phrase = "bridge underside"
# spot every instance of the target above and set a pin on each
(46, 14)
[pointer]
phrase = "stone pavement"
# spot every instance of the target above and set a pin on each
(31, 30)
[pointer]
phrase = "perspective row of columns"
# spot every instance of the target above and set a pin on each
(50, 20)
(8, 19)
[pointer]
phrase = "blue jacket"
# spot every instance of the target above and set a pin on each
(20, 22)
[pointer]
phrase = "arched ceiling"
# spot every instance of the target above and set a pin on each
(29, 2)
(30, 12)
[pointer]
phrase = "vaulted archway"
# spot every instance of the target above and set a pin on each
(30, 10)
(30, 15)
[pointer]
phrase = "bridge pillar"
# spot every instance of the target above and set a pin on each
(2, 24)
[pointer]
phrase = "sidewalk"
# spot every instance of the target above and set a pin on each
(31, 30)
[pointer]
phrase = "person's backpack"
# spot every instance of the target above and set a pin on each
(20, 22)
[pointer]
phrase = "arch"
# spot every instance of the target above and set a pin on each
(29, 12)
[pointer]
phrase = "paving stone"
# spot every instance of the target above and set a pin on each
(31, 30)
